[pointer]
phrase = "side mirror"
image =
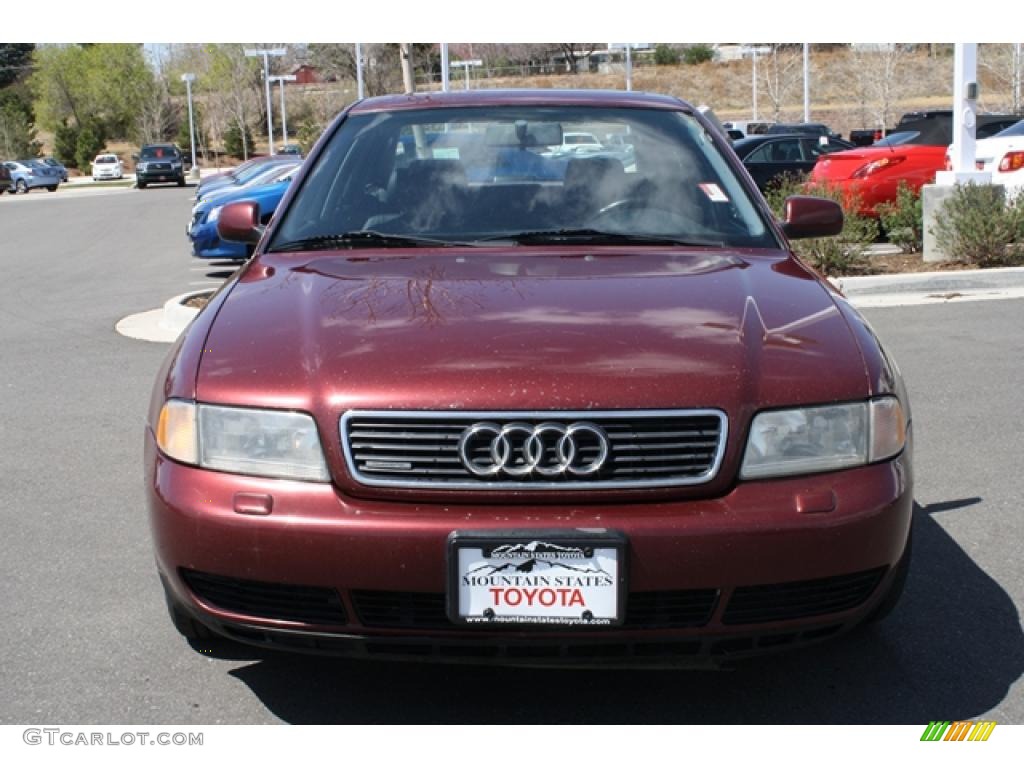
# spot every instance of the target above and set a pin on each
(240, 222)
(810, 217)
(135, 158)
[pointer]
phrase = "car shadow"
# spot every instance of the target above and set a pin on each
(951, 650)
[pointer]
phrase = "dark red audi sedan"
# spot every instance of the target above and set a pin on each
(477, 397)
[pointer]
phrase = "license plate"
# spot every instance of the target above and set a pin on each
(537, 578)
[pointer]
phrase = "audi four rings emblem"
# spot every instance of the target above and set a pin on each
(517, 449)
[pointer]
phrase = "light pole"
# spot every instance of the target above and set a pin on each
(360, 90)
(466, 65)
(445, 74)
(266, 53)
(807, 82)
(188, 77)
(281, 80)
(753, 50)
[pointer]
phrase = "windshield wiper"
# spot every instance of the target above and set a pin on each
(361, 238)
(596, 236)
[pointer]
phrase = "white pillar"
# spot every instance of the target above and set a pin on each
(753, 83)
(445, 80)
(629, 67)
(360, 90)
(965, 111)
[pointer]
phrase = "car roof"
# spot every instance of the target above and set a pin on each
(524, 97)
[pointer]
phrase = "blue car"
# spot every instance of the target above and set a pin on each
(202, 229)
(25, 176)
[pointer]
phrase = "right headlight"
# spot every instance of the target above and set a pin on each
(823, 438)
(246, 441)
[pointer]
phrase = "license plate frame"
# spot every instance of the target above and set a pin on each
(578, 565)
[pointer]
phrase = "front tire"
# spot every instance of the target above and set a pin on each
(141, 184)
(21, 187)
(53, 188)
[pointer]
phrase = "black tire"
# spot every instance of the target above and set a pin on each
(896, 586)
(181, 182)
(53, 188)
(21, 186)
(141, 184)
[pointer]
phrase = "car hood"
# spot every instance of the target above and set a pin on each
(520, 328)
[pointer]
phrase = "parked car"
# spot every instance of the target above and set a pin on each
(202, 228)
(107, 166)
(6, 180)
(814, 129)
(243, 174)
(252, 177)
(1002, 155)
(912, 154)
(609, 420)
(770, 157)
(58, 166)
(159, 163)
(290, 149)
(27, 176)
(748, 127)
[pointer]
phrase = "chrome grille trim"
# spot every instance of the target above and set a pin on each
(425, 431)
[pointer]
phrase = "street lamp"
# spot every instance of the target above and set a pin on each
(266, 53)
(188, 77)
(445, 73)
(753, 50)
(282, 79)
(466, 65)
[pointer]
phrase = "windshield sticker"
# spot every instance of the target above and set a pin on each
(714, 193)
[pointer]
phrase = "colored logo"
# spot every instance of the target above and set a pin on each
(958, 730)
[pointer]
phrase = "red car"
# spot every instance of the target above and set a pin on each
(590, 412)
(911, 155)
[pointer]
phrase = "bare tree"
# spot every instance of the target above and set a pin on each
(1004, 63)
(878, 75)
(781, 71)
(158, 114)
(575, 53)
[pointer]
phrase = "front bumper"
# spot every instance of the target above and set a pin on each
(157, 177)
(383, 564)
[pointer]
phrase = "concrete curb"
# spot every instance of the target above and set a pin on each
(164, 324)
(933, 287)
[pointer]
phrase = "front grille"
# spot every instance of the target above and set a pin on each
(426, 610)
(287, 602)
(159, 167)
(639, 449)
(800, 599)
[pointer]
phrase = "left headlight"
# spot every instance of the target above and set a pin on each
(247, 441)
(823, 438)
(141, 166)
(214, 213)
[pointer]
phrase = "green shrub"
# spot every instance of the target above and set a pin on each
(698, 54)
(309, 131)
(90, 143)
(844, 254)
(903, 219)
(665, 55)
(65, 142)
(978, 226)
(233, 144)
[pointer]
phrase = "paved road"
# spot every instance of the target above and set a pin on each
(86, 638)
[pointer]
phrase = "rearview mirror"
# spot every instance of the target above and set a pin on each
(240, 222)
(811, 217)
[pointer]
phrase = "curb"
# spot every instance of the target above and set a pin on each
(164, 324)
(933, 287)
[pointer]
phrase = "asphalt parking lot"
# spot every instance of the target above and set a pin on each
(87, 639)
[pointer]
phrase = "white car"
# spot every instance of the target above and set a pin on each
(107, 167)
(1002, 155)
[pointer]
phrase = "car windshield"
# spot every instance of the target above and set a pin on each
(1017, 129)
(484, 174)
(156, 153)
(257, 171)
(106, 159)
